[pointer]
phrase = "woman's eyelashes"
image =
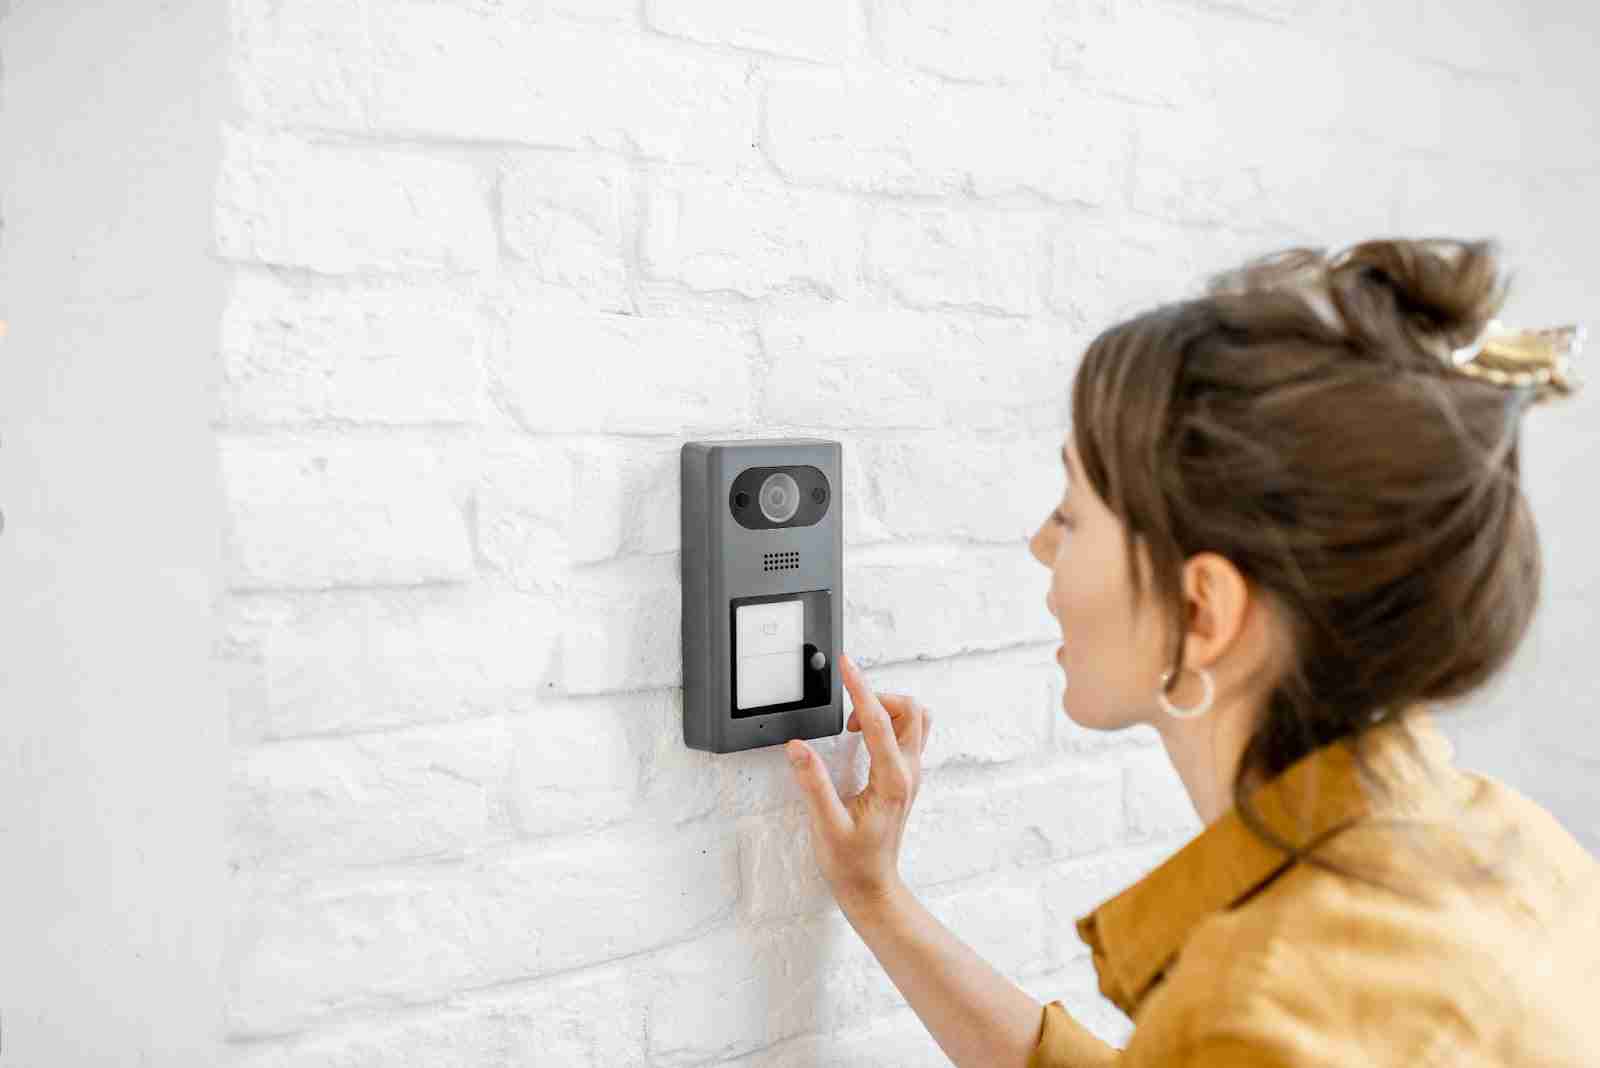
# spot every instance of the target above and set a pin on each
(1061, 520)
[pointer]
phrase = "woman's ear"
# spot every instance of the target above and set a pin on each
(1218, 598)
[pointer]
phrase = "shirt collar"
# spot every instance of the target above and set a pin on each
(1135, 934)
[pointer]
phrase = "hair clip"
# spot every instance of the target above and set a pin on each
(1515, 358)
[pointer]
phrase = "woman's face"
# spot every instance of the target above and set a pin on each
(1112, 661)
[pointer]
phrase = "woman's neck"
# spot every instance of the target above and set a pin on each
(1205, 752)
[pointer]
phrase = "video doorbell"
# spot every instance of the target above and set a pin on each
(762, 598)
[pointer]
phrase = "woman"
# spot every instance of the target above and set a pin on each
(1292, 522)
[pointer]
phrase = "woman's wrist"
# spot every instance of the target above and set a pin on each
(869, 903)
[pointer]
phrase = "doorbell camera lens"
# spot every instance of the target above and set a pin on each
(780, 497)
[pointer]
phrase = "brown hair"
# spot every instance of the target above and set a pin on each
(1302, 420)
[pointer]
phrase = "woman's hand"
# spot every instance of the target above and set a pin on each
(857, 843)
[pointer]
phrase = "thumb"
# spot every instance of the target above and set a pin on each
(821, 798)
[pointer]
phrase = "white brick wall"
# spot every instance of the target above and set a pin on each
(489, 263)
(494, 263)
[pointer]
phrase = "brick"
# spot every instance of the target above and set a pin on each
(1485, 38)
(928, 484)
(714, 234)
(735, 991)
(580, 1019)
(1361, 92)
(568, 216)
(847, 366)
(542, 505)
(293, 351)
(889, 133)
(821, 31)
(321, 514)
(711, 998)
(359, 660)
(623, 628)
(988, 710)
(521, 498)
(1001, 919)
(324, 803)
(630, 499)
(1269, 10)
(303, 62)
(1494, 120)
(1173, 180)
(677, 783)
(612, 12)
(777, 863)
(897, 1037)
(1144, 54)
(337, 210)
(1104, 269)
(957, 831)
(417, 935)
(761, 781)
(902, 602)
(999, 43)
(1411, 29)
(565, 370)
(574, 765)
(1469, 197)
(501, 78)
(1059, 144)
(1264, 183)
(875, 134)
(939, 258)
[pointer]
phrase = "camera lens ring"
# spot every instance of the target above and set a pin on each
(779, 497)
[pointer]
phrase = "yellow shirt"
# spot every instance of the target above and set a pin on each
(1223, 956)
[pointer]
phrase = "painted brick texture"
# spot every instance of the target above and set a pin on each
(492, 262)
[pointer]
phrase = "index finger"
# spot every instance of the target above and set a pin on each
(898, 705)
(882, 743)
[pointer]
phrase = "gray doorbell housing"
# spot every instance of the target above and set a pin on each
(763, 552)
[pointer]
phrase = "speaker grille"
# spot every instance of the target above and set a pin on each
(780, 561)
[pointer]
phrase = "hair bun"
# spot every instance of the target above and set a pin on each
(1436, 295)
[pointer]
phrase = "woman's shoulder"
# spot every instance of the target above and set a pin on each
(1548, 848)
(1495, 928)
(1492, 871)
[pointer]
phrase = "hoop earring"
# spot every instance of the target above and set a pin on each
(1188, 713)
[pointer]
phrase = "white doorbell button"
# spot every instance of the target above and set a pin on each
(818, 660)
(772, 627)
(769, 638)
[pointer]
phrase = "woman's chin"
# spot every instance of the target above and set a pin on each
(1092, 715)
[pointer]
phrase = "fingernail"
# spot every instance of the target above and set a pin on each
(797, 754)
